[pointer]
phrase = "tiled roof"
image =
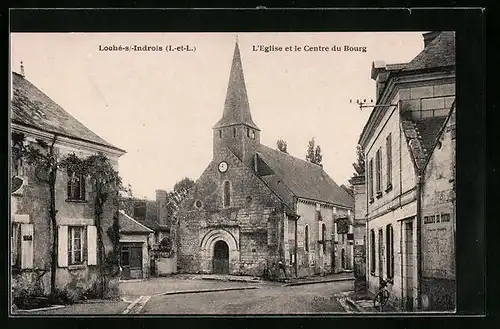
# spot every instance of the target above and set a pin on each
(421, 136)
(130, 225)
(31, 107)
(236, 106)
(440, 52)
(295, 177)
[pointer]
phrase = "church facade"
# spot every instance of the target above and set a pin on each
(254, 206)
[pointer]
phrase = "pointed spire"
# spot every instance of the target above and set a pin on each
(236, 106)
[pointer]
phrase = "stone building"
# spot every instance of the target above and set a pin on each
(254, 206)
(413, 105)
(34, 118)
(151, 220)
(359, 227)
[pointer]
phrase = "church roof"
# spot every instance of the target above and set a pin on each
(31, 107)
(294, 177)
(440, 52)
(236, 106)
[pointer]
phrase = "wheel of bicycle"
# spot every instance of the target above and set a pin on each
(381, 298)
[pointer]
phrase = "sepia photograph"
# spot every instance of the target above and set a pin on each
(232, 173)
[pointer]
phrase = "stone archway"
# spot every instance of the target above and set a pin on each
(213, 246)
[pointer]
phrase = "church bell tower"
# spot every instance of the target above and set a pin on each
(236, 129)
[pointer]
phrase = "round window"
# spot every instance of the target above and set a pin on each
(198, 204)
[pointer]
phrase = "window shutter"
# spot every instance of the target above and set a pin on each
(91, 245)
(335, 235)
(62, 246)
(26, 245)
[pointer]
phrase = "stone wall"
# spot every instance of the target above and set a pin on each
(438, 224)
(248, 225)
(33, 203)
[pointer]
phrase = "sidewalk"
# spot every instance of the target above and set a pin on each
(362, 303)
(320, 279)
(91, 307)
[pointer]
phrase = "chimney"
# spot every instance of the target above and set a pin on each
(429, 37)
(161, 206)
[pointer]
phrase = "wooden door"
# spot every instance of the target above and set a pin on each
(131, 261)
(221, 258)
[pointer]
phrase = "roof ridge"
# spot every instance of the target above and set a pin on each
(294, 157)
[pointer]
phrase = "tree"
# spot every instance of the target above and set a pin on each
(45, 162)
(359, 167)
(282, 145)
(313, 154)
(106, 183)
(180, 191)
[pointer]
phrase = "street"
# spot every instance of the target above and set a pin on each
(312, 298)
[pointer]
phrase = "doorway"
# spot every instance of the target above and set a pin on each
(131, 261)
(221, 258)
(409, 266)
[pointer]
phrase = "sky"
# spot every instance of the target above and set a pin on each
(160, 106)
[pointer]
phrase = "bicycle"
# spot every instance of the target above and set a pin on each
(382, 296)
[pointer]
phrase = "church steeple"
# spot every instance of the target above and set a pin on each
(236, 107)
(236, 129)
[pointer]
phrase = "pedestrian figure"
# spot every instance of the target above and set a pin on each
(282, 267)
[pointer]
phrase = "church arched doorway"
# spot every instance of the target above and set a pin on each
(221, 258)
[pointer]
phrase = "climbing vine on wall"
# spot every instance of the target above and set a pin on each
(106, 183)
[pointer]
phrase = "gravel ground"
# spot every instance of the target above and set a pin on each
(305, 299)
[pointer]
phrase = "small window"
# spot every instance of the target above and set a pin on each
(220, 133)
(248, 132)
(253, 134)
(227, 194)
(370, 179)
(234, 132)
(306, 238)
(198, 204)
(76, 187)
(76, 239)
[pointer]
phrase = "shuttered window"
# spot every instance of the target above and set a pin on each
(370, 179)
(378, 166)
(388, 143)
(372, 251)
(16, 245)
(306, 237)
(77, 245)
(27, 235)
(389, 251)
(22, 245)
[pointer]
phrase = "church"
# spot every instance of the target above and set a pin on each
(254, 206)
